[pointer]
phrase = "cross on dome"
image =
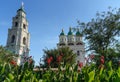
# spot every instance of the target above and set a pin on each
(21, 8)
(22, 4)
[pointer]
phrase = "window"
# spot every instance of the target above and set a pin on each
(62, 44)
(16, 24)
(24, 26)
(78, 53)
(76, 39)
(62, 40)
(70, 43)
(24, 41)
(79, 43)
(68, 40)
(13, 39)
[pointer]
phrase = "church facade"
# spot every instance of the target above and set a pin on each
(18, 40)
(74, 42)
(18, 36)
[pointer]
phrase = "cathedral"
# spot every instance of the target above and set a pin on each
(18, 36)
(18, 40)
(74, 42)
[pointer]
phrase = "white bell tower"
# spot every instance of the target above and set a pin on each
(18, 36)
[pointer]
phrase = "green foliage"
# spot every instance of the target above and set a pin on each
(59, 56)
(67, 73)
(5, 56)
(101, 31)
(9, 73)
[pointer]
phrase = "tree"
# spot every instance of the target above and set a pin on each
(5, 56)
(101, 31)
(55, 57)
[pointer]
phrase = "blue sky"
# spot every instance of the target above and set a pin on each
(47, 18)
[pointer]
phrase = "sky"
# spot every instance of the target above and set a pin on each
(47, 18)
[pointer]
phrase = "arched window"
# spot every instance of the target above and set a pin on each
(24, 26)
(24, 41)
(13, 39)
(78, 53)
(16, 24)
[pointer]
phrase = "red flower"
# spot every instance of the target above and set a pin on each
(59, 58)
(102, 57)
(102, 61)
(51, 58)
(13, 62)
(48, 61)
(92, 56)
(80, 64)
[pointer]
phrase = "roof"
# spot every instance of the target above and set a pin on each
(70, 31)
(62, 33)
(78, 33)
(21, 9)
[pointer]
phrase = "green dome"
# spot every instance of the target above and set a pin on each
(62, 33)
(70, 32)
(78, 33)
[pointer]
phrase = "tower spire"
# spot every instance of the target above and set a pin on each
(62, 33)
(22, 5)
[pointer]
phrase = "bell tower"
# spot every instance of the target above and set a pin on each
(18, 36)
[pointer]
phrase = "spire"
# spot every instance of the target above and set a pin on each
(22, 5)
(78, 32)
(21, 8)
(62, 33)
(70, 31)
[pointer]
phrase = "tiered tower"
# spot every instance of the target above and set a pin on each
(18, 36)
(74, 42)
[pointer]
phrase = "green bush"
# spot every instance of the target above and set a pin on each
(69, 73)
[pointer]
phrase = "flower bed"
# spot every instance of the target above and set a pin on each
(89, 73)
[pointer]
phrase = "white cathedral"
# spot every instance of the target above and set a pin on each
(18, 40)
(18, 36)
(74, 42)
